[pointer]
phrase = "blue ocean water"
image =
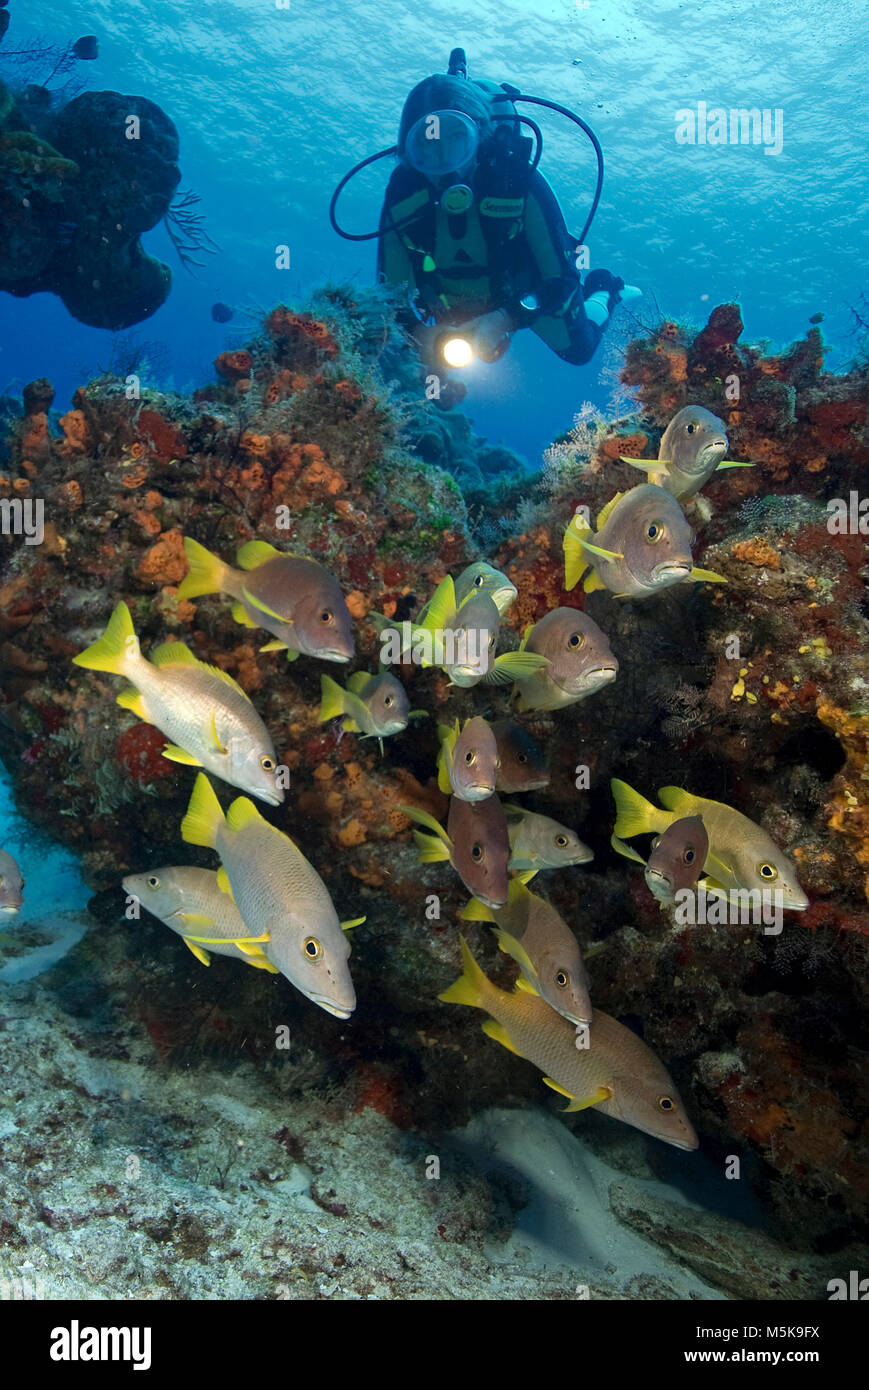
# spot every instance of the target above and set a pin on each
(273, 104)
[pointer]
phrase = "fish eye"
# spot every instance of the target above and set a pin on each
(312, 948)
(389, 701)
(153, 881)
(521, 757)
(767, 871)
(562, 979)
(575, 640)
(478, 582)
(476, 851)
(654, 532)
(666, 1103)
(689, 429)
(326, 616)
(561, 841)
(267, 764)
(688, 856)
(470, 757)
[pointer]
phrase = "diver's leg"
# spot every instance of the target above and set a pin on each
(569, 332)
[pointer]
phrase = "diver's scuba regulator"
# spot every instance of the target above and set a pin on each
(456, 195)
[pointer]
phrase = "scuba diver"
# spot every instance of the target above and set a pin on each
(473, 228)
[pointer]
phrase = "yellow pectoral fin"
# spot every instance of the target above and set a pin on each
(475, 911)
(515, 666)
(423, 818)
(621, 848)
(514, 948)
(195, 920)
(432, 849)
(247, 946)
(734, 463)
(602, 1093)
(525, 986)
(223, 882)
(242, 617)
(499, 1033)
(276, 646)
(707, 577)
(214, 734)
(178, 755)
(197, 951)
(263, 607)
(645, 465)
(599, 550)
(354, 922)
(262, 963)
(592, 582)
(718, 869)
(132, 700)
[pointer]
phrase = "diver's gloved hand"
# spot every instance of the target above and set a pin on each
(490, 334)
(602, 291)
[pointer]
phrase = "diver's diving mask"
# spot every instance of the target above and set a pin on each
(442, 144)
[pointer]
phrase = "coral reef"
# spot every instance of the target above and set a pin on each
(753, 692)
(79, 184)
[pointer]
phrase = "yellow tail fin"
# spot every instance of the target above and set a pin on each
(204, 815)
(636, 815)
(331, 699)
(469, 987)
(575, 556)
(206, 572)
(117, 647)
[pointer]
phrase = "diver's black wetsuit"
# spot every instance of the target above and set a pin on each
(512, 242)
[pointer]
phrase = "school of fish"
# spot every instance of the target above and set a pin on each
(266, 905)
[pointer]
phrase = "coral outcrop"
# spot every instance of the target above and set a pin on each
(754, 693)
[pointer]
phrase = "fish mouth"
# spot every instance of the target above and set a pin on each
(9, 907)
(332, 654)
(478, 791)
(660, 879)
(673, 569)
(273, 798)
(330, 1008)
(795, 904)
(689, 1145)
(491, 902)
(598, 676)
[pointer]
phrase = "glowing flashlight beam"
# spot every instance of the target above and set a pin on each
(458, 352)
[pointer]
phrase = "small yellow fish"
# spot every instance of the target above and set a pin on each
(740, 855)
(375, 706)
(291, 596)
(191, 902)
(282, 899)
(211, 721)
(617, 1072)
(468, 761)
(530, 930)
(692, 446)
(642, 545)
